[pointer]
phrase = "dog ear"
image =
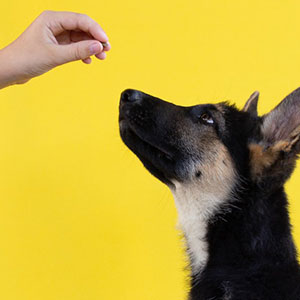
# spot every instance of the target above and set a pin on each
(251, 104)
(279, 145)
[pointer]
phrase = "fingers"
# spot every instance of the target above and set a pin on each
(101, 55)
(77, 36)
(77, 51)
(106, 46)
(87, 60)
(61, 21)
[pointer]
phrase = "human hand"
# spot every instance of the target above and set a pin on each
(53, 39)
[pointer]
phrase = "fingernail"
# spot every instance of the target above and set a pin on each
(95, 48)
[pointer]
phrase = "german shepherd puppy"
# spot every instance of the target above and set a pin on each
(226, 169)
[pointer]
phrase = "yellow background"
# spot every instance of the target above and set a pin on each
(80, 218)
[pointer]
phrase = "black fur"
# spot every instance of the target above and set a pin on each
(252, 255)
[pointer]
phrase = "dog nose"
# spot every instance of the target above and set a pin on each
(131, 96)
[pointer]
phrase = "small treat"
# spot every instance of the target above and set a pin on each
(105, 44)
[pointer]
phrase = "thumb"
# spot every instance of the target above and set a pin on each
(78, 51)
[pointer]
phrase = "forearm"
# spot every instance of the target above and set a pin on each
(8, 69)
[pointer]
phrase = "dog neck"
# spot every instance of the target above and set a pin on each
(226, 233)
(199, 198)
(195, 210)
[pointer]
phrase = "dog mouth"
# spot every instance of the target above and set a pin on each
(156, 159)
(162, 153)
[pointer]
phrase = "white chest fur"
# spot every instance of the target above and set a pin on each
(198, 200)
(194, 212)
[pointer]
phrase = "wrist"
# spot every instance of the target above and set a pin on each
(10, 72)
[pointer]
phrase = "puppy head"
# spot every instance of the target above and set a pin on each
(211, 145)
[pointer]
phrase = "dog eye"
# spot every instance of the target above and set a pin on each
(207, 118)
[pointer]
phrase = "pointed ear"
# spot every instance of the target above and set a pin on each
(282, 122)
(251, 104)
(280, 143)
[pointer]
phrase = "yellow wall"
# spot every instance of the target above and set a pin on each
(80, 218)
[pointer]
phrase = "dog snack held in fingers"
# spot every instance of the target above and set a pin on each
(105, 44)
(226, 169)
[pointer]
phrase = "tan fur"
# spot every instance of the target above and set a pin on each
(220, 107)
(294, 137)
(261, 159)
(251, 104)
(199, 198)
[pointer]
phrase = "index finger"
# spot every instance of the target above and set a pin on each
(62, 21)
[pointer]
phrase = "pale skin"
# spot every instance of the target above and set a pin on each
(52, 39)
